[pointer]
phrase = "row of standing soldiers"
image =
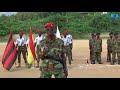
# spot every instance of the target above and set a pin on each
(113, 48)
(51, 52)
(22, 45)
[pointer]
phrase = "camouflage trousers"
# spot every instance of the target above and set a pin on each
(91, 53)
(96, 56)
(109, 53)
(49, 68)
(68, 53)
(71, 50)
(114, 56)
(21, 49)
(38, 53)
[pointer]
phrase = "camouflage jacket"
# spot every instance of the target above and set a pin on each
(91, 43)
(99, 44)
(95, 45)
(116, 45)
(55, 48)
(109, 44)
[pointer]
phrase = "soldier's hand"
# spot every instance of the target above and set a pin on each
(45, 49)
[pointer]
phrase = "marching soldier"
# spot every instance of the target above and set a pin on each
(53, 57)
(91, 44)
(71, 42)
(37, 43)
(21, 46)
(99, 47)
(115, 49)
(109, 46)
(67, 46)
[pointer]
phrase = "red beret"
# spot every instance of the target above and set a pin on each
(39, 31)
(21, 33)
(52, 25)
(67, 31)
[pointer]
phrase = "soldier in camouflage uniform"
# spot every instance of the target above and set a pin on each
(96, 48)
(37, 44)
(67, 47)
(109, 46)
(115, 49)
(21, 46)
(91, 44)
(99, 47)
(53, 58)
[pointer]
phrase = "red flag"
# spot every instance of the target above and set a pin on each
(10, 54)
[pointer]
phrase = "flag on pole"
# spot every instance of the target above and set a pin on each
(31, 51)
(58, 33)
(10, 54)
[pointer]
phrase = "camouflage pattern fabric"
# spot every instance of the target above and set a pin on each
(38, 52)
(21, 49)
(115, 50)
(109, 49)
(68, 52)
(95, 47)
(52, 65)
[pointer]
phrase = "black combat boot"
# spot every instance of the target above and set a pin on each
(100, 62)
(93, 62)
(26, 65)
(37, 65)
(108, 60)
(19, 65)
(118, 62)
(112, 62)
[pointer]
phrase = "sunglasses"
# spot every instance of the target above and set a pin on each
(49, 29)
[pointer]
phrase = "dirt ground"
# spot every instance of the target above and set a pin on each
(78, 69)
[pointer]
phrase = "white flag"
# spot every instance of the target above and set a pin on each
(58, 33)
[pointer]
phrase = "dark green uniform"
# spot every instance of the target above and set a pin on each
(91, 44)
(109, 47)
(115, 50)
(99, 48)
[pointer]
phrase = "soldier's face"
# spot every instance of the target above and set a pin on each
(111, 35)
(94, 37)
(116, 36)
(39, 34)
(20, 36)
(98, 35)
(50, 31)
(65, 35)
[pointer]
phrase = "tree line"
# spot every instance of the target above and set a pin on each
(74, 21)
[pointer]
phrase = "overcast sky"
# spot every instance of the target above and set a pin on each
(7, 13)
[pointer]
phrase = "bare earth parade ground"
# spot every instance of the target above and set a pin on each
(78, 69)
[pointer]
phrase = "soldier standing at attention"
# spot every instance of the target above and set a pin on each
(115, 49)
(91, 44)
(21, 48)
(37, 44)
(71, 42)
(99, 47)
(67, 46)
(109, 46)
(53, 60)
